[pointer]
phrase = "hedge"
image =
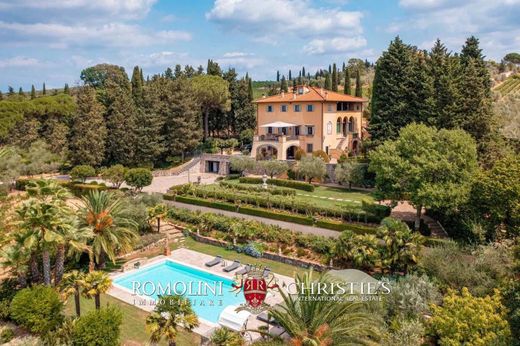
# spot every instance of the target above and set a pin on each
(302, 220)
(202, 202)
(340, 227)
(77, 189)
(254, 188)
(293, 184)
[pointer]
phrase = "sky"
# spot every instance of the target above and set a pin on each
(51, 41)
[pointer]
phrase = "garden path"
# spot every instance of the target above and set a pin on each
(287, 225)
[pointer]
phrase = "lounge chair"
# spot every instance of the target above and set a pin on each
(266, 273)
(244, 270)
(232, 266)
(214, 261)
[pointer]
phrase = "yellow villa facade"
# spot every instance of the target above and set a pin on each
(309, 118)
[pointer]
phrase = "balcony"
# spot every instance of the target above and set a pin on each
(273, 146)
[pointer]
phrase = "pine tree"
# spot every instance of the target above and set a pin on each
(359, 87)
(334, 78)
(213, 68)
(328, 82)
(44, 91)
(20, 92)
(121, 124)
(137, 86)
(284, 86)
(178, 71)
(421, 99)
(347, 89)
(278, 76)
(389, 109)
(66, 89)
(88, 133)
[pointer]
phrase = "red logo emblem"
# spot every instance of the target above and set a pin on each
(255, 284)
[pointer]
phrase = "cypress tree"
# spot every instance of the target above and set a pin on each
(283, 86)
(359, 87)
(250, 89)
(178, 71)
(347, 89)
(1, 95)
(242, 107)
(334, 78)
(88, 133)
(344, 67)
(20, 91)
(137, 86)
(141, 75)
(421, 95)
(303, 72)
(66, 89)
(44, 91)
(168, 73)
(389, 109)
(328, 82)
(121, 125)
(290, 75)
(278, 76)
(330, 69)
(10, 91)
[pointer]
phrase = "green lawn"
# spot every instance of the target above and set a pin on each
(133, 331)
(277, 267)
(351, 197)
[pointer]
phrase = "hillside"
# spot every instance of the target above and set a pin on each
(511, 84)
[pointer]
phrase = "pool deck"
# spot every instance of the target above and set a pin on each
(197, 260)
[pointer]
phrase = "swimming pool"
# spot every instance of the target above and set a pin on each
(209, 293)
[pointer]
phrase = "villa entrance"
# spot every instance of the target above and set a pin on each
(291, 152)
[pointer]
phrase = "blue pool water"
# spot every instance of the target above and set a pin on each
(209, 293)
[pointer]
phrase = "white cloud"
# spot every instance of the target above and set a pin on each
(283, 16)
(114, 34)
(122, 8)
(240, 60)
(236, 54)
(18, 61)
(335, 45)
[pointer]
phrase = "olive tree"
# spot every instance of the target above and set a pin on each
(312, 168)
(241, 163)
(274, 167)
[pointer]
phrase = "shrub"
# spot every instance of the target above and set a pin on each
(83, 189)
(39, 309)
(254, 249)
(241, 163)
(226, 337)
(6, 335)
(311, 168)
(270, 189)
(299, 154)
(322, 155)
(406, 333)
(138, 178)
(467, 320)
(273, 167)
(82, 172)
(98, 328)
(411, 296)
(114, 174)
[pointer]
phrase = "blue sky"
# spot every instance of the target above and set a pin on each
(52, 41)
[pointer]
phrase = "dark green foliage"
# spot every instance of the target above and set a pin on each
(33, 92)
(299, 185)
(98, 328)
(6, 335)
(88, 137)
(334, 78)
(66, 89)
(39, 309)
(283, 86)
(513, 58)
(213, 68)
(137, 85)
(44, 90)
(97, 76)
(328, 82)
(138, 178)
(359, 85)
(347, 90)
(82, 172)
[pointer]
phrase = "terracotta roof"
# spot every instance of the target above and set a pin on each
(314, 94)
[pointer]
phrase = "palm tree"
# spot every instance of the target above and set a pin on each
(16, 257)
(158, 212)
(226, 337)
(94, 284)
(170, 313)
(324, 322)
(70, 285)
(112, 230)
(73, 238)
(360, 250)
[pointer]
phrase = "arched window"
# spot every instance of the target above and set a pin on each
(345, 126)
(338, 126)
(351, 124)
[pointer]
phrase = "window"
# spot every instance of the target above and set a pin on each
(269, 108)
(310, 108)
(297, 108)
(270, 130)
(329, 108)
(296, 130)
(283, 108)
(329, 128)
(357, 107)
(310, 130)
(338, 125)
(309, 148)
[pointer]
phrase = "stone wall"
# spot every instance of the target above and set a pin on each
(298, 262)
(222, 159)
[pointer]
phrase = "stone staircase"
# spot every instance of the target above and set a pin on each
(341, 144)
(173, 232)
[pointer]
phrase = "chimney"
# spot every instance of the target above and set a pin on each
(283, 94)
(294, 96)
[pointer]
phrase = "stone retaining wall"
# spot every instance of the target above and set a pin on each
(298, 262)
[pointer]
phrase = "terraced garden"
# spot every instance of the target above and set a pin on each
(510, 85)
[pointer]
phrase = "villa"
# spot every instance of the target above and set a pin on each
(309, 118)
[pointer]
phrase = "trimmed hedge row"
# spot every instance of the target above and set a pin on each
(77, 189)
(298, 219)
(368, 213)
(293, 184)
(284, 191)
